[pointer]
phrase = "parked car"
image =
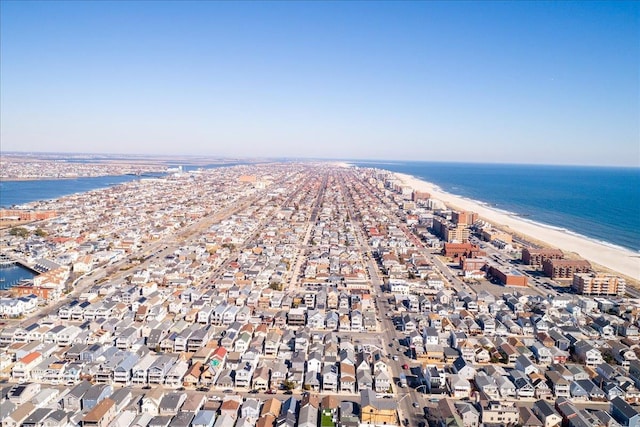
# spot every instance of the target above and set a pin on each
(405, 366)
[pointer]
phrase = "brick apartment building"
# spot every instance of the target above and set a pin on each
(536, 256)
(464, 217)
(565, 268)
(467, 250)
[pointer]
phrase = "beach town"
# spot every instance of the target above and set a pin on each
(309, 294)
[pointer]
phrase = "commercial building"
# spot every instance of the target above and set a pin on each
(565, 268)
(598, 284)
(507, 277)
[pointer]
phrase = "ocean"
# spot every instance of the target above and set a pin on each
(599, 203)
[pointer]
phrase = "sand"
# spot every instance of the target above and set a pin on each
(620, 260)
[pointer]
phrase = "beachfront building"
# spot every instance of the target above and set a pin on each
(536, 256)
(598, 284)
(450, 231)
(493, 234)
(565, 268)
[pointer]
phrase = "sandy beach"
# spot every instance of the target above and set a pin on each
(620, 260)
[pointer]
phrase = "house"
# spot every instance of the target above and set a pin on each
(72, 401)
(377, 411)
(271, 407)
(546, 413)
(449, 415)
(464, 369)
(171, 402)
(523, 385)
(588, 354)
(250, 409)
(204, 418)
(528, 418)
(230, 407)
(624, 413)
(151, 401)
(330, 377)
(382, 381)
(468, 413)
(487, 385)
(260, 379)
(347, 377)
(101, 415)
(23, 393)
(95, 395)
(243, 375)
(559, 384)
(494, 412)
(459, 386)
(524, 364)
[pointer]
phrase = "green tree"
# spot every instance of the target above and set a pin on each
(40, 232)
(19, 231)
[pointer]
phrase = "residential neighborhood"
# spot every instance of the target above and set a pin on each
(303, 294)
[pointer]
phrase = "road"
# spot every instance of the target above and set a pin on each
(406, 396)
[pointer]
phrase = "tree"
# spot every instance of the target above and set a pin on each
(19, 231)
(275, 286)
(40, 232)
(288, 385)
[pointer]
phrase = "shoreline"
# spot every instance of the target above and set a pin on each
(620, 260)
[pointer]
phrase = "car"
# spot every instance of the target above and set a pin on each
(395, 357)
(416, 405)
(270, 392)
(227, 391)
(205, 389)
(405, 366)
(253, 391)
(288, 392)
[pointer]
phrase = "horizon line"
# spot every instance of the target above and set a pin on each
(307, 158)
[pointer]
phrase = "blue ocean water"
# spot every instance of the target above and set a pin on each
(21, 192)
(601, 203)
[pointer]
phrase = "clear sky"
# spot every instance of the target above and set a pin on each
(517, 82)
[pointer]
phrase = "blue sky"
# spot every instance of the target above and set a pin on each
(516, 82)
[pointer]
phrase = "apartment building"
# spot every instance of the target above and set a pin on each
(598, 284)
